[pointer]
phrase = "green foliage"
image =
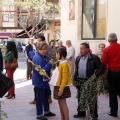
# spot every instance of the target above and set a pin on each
(88, 93)
(54, 58)
(2, 113)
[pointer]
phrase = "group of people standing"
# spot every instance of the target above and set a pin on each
(92, 66)
(46, 55)
(87, 65)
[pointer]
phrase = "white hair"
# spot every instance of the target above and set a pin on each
(112, 37)
(69, 41)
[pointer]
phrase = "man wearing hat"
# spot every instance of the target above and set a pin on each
(30, 52)
(111, 61)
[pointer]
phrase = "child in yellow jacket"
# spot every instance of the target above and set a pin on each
(63, 81)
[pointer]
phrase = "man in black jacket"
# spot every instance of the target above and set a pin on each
(87, 66)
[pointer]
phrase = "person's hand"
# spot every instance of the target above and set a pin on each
(60, 93)
(49, 79)
(93, 77)
(51, 61)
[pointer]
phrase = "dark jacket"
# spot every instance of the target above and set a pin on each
(93, 65)
(37, 79)
(30, 51)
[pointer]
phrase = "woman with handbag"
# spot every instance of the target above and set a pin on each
(11, 64)
(61, 79)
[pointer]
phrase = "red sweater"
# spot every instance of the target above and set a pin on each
(111, 56)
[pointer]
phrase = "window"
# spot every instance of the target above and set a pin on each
(11, 18)
(8, 18)
(23, 20)
(94, 19)
(5, 18)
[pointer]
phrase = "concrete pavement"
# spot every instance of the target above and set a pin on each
(20, 109)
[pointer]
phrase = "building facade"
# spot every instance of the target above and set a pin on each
(89, 20)
(9, 22)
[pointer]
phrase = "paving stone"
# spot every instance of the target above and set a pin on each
(20, 109)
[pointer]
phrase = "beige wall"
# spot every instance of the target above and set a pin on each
(69, 29)
(8, 24)
(113, 22)
(1, 18)
(72, 30)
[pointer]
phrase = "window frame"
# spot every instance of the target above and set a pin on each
(6, 17)
(95, 20)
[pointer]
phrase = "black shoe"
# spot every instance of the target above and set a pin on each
(7, 95)
(42, 118)
(80, 115)
(114, 115)
(50, 114)
(95, 116)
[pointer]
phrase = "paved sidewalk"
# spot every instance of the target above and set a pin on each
(20, 109)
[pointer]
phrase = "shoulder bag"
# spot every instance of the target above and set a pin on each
(5, 84)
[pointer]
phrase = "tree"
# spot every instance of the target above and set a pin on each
(36, 13)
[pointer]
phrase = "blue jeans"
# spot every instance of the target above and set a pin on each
(42, 95)
(49, 91)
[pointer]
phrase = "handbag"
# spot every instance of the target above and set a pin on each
(13, 64)
(66, 92)
(5, 84)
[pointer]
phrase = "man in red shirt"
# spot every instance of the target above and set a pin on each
(111, 60)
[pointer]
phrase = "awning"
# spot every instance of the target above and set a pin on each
(38, 28)
(6, 35)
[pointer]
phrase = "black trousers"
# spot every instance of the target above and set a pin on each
(94, 112)
(113, 79)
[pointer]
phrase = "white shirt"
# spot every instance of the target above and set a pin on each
(70, 52)
(55, 74)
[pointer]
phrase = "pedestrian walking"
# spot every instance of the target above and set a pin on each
(11, 64)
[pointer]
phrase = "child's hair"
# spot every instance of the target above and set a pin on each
(62, 52)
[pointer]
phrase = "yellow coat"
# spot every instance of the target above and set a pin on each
(63, 76)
